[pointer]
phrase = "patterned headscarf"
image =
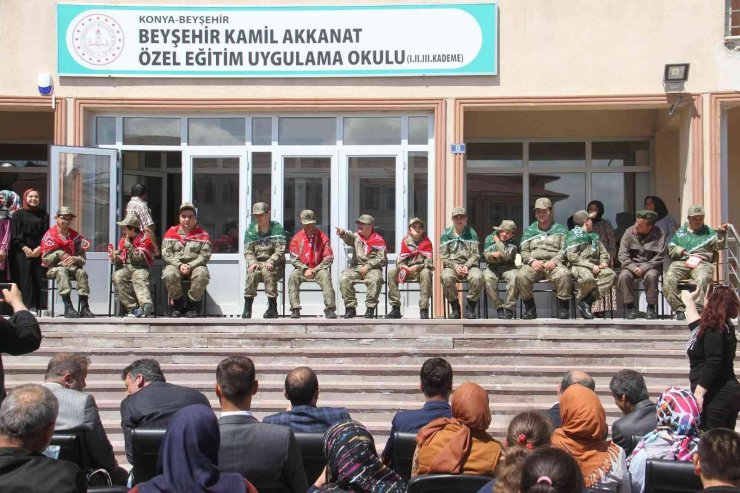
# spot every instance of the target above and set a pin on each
(678, 423)
(9, 203)
(353, 463)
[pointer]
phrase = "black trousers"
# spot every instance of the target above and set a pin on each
(30, 277)
(721, 406)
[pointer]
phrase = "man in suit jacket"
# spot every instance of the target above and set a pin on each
(65, 377)
(302, 390)
(267, 455)
(27, 418)
(19, 334)
(571, 377)
(436, 384)
(640, 416)
(151, 401)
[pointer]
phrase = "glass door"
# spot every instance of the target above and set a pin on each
(86, 180)
(215, 180)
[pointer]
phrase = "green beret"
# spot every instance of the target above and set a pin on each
(647, 214)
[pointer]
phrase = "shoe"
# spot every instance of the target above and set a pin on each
(470, 310)
(500, 313)
(69, 310)
(630, 312)
(85, 308)
(135, 313)
(295, 313)
(395, 312)
(651, 313)
(147, 310)
(350, 312)
(530, 310)
(192, 308)
(584, 306)
(508, 314)
(424, 313)
(370, 312)
(271, 308)
(178, 307)
(564, 309)
(247, 313)
(680, 316)
(330, 313)
(454, 310)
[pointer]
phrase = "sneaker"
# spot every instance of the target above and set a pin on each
(132, 313)
(137, 312)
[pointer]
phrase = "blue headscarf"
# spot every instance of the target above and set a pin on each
(189, 456)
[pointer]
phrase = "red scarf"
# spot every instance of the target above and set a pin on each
(142, 243)
(311, 251)
(52, 241)
(424, 248)
(196, 234)
(375, 241)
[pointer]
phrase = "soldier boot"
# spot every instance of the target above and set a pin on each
(179, 307)
(350, 312)
(395, 312)
(271, 308)
(330, 313)
(652, 312)
(424, 313)
(530, 310)
(295, 313)
(470, 310)
(585, 307)
(370, 312)
(454, 310)
(508, 314)
(247, 313)
(147, 310)
(69, 309)
(500, 313)
(630, 312)
(85, 308)
(564, 309)
(681, 315)
(193, 307)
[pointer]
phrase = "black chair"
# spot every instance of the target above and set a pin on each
(51, 287)
(402, 454)
(311, 446)
(670, 476)
(71, 448)
(145, 446)
(108, 489)
(114, 304)
(447, 483)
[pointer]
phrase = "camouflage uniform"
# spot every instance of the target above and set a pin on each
(194, 253)
(460, 250)
(260, 248)
(322, 272)
(544, 246)
(61, 274)
(131, 280)
(375, 259)
(585, 251)
(501, 267)
(423, 276)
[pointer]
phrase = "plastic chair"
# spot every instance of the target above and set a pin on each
(311, 446)
(670, 476)
(402, 454)
(145, 444)
(447, 483)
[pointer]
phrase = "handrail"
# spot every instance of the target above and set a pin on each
(731, 260)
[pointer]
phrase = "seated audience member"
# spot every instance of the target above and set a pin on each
(19, 334)
(353, 464)
(267, 455)
(436, 384)
(459, 445)
(151, 401)
(603, 463)
(189, 457)
(302, 390)
(65, 377)
(27, 417)
(675, 437)
(527, 431)
(718, 461)
(571, 377)
(631, 396)
(551, 470)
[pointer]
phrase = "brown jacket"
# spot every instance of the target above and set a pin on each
(483, 459)
(642, 251)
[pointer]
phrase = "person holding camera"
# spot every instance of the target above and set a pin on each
(19, 334)
(711, 353)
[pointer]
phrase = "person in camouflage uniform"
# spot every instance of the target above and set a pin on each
(186, 250)
(460, 255)
(133, 258)
(414, 263)
(589, 261)
(63, 253)
(543, 257)
(366, 265)
(693, 250)
(311, 256)
(264, 249)
(500, 251)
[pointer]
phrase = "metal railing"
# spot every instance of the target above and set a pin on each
(732, 21)
(730, 259)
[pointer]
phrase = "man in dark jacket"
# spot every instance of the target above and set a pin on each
(20, 334)
(631, 396)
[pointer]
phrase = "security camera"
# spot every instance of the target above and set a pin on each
(46, 85)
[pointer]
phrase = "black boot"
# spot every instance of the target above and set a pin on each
(330, 313)
(508, 314)
(530, 310)
(350, 312)
(500, 313)
(454, 310)
(564, 309)
(179, 307)
(193, 307)
(652, 312)
(585, 307)
(424, 313)
(295, 313)
(395, 312)
(681, 315)
(69, 310)
(470, 309)
(247, 313)
(630, 312)
(85, 308)
(370, 312)
(271, 308)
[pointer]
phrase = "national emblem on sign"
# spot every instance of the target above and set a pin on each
(97, 39)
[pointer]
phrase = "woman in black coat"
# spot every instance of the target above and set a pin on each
(28, 226)
(711, 354)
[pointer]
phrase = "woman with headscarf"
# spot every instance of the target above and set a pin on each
(602, 462)
(665, 222)
(8, 205)
(460, 444)
(28, 227)
(676, 436)
(605, 231)
(189, 457)
(353, 464)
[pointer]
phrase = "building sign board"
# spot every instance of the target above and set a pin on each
(301, 41)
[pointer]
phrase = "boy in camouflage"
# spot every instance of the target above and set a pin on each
(264, 249)
(460, 254)
(133, 258)
(500, 251)
(415, 262)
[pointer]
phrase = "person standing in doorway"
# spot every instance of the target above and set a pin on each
(139, 208)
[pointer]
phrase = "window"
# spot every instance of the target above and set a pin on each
(418, 182)
(557, 154)
(307, 131)
(567, 191)
(418, 130)
(372, 182)
(372, 130)
(307, 187)
(216, 196)
(262, 131)
(261, 178)
(491, 198)
(486, 155)
(151, 131)
(618, 154)
(216, 131)
(105, 130)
